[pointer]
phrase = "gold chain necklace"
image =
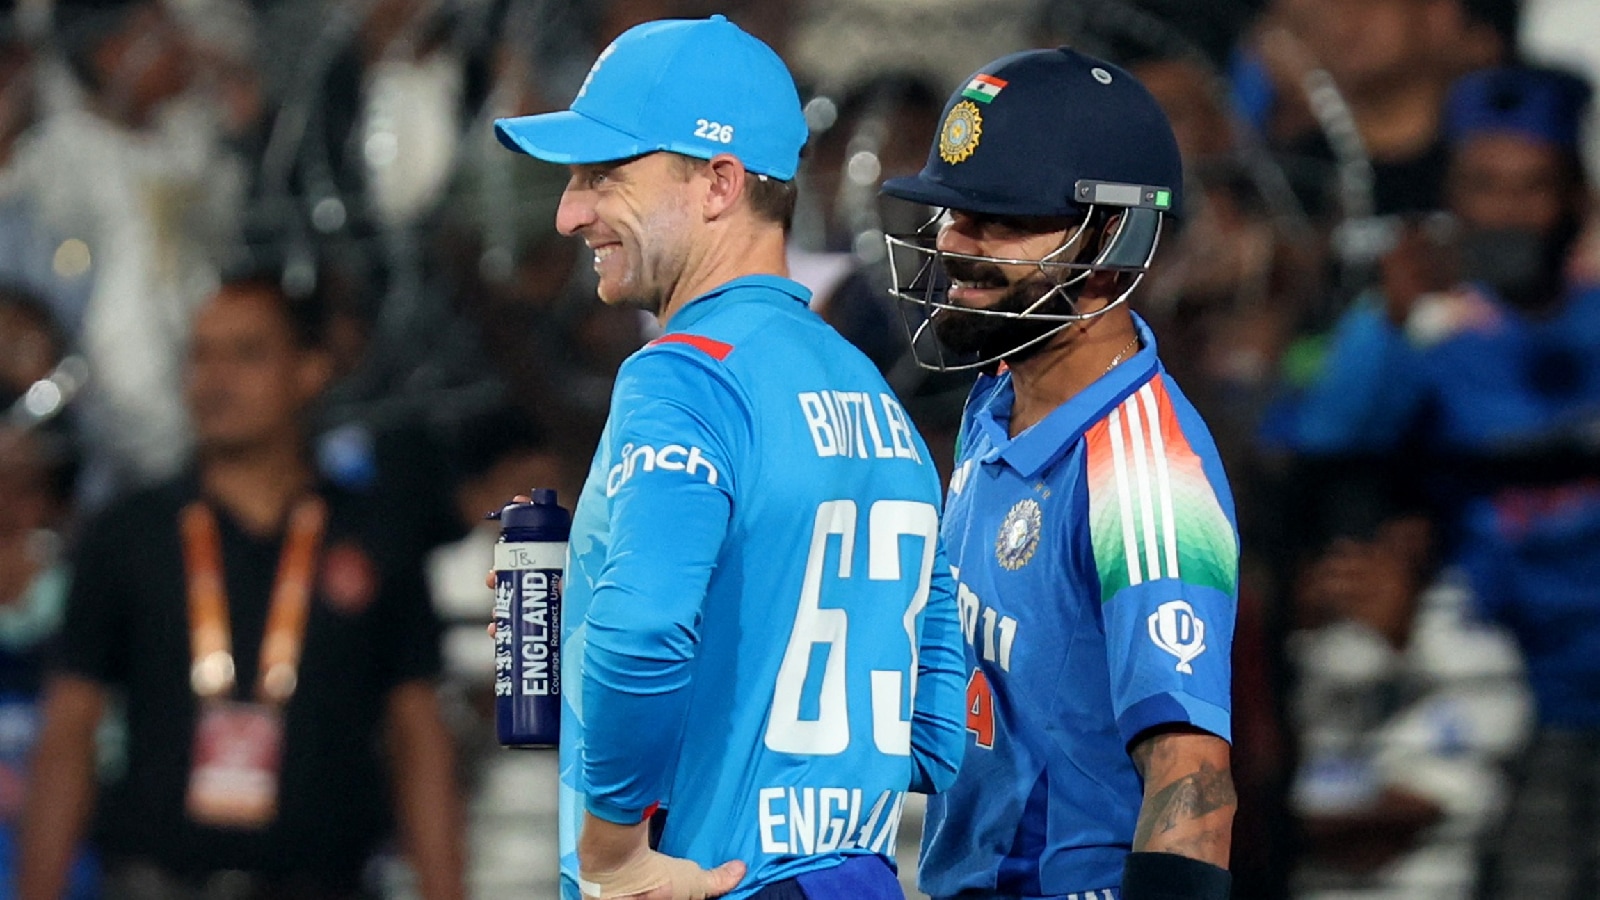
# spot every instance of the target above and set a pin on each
(1122, 354)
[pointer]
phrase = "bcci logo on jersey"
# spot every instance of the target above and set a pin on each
(1175, 629)
(1019, 535)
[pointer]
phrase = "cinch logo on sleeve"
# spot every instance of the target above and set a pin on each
(671, 458)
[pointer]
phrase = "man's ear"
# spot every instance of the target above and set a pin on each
(726, 177)
(1101, 287)
(1105, 232)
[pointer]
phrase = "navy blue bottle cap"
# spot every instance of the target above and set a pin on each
(541, 512)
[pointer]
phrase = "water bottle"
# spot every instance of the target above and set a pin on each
(529, 567)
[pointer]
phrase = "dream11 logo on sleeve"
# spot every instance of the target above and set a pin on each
(1176, 629)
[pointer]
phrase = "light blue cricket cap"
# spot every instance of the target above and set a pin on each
(698, 87)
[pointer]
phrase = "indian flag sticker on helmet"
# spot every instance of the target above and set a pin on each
(962, 129)
(983, 88)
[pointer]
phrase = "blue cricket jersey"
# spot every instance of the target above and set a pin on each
(1096, 556)
(760, 629)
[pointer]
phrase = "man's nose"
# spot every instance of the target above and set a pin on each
(957, 235)
(575, 211)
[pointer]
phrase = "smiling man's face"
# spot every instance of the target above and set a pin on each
(999, 287)
(636, 218)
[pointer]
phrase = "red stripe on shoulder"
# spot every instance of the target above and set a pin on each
(717, 350)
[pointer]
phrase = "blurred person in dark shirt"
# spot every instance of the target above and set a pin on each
(1392, 62)
(275, 777)
(1479, 351)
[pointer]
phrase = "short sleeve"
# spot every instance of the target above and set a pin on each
(1166, 555)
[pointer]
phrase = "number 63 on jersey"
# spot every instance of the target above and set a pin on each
(891, 692)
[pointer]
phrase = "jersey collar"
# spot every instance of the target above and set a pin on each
(776, 287)
(1031, 451)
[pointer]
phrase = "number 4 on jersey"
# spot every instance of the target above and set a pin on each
(980, 709)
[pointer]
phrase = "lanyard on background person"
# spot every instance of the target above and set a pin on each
(238, 747)
(211, 672)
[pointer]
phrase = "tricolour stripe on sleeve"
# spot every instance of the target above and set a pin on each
(1147, 395)
(1123, 506)
(1139, 446)
(1153, 513)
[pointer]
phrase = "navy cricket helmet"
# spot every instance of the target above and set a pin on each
(1042, 133)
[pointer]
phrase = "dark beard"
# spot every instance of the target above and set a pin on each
(975, 336)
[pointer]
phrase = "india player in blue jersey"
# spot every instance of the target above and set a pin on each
(1089, 520)
(760, 628)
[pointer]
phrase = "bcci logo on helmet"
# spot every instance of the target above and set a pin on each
(1176, 629)
(962, 130)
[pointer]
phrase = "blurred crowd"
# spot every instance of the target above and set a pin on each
(1384, 297)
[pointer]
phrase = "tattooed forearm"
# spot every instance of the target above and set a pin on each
(1189, 800)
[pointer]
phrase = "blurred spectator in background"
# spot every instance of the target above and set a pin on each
(283, 796)
(1475, 325)
(1408, 708)
(147, 227)
(1478, 351)
(36, 481)
(1388, 64)
(857, 143)
(31, 342)
(31, 255)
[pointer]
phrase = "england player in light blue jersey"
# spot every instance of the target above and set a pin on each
(760, 631)
(1089, 519)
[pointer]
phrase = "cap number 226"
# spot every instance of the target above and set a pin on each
(713, 131)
